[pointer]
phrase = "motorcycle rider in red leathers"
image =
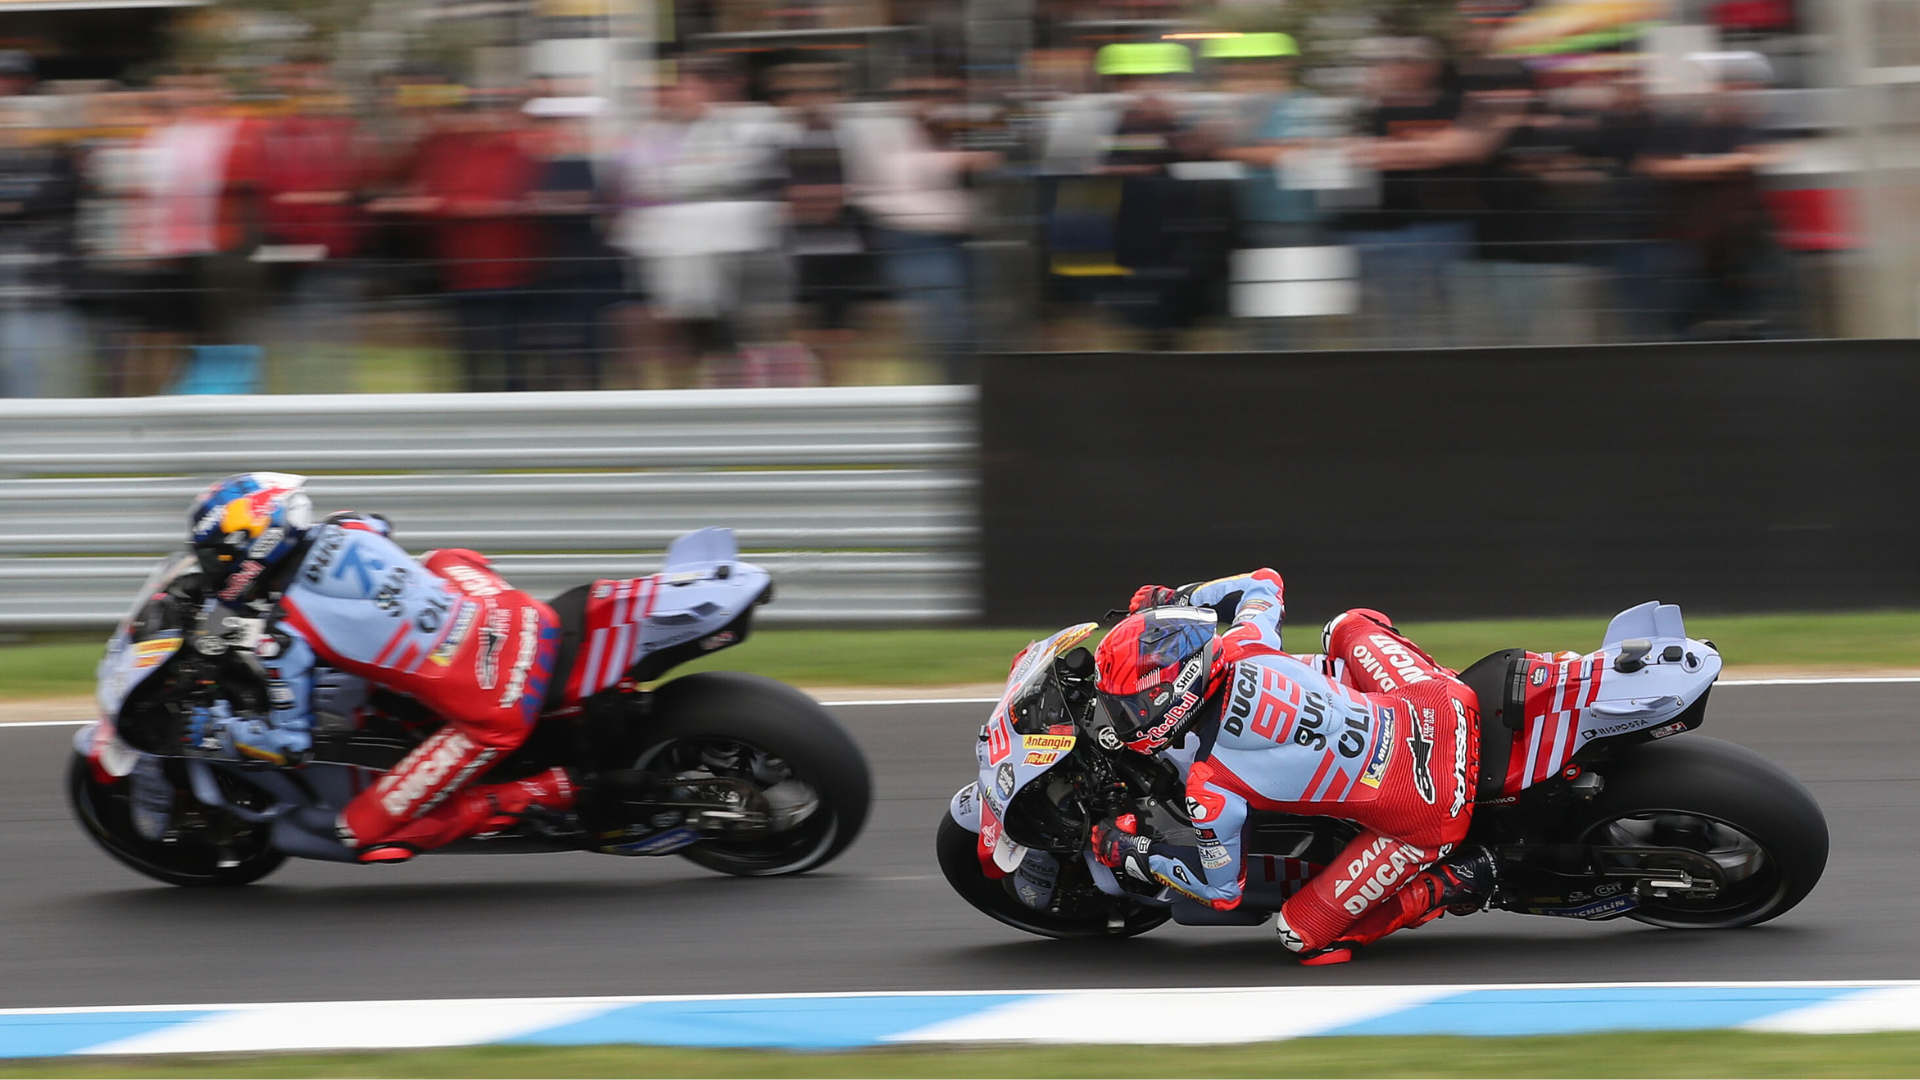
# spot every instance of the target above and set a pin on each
(1376, 733)
(346, 608)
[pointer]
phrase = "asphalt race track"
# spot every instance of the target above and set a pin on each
(80, 930)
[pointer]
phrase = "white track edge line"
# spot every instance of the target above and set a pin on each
(1451, 988)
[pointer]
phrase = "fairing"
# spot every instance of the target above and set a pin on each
(145, 637)
(1010, 760)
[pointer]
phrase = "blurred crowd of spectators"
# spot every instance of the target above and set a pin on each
(743, 224)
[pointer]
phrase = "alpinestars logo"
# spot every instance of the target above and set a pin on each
(1289, 939)
(1420, 741)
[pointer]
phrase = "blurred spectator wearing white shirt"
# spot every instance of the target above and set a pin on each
(912, 184)
(701, 186)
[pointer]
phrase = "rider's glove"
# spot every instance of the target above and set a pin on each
(1150, 596)
(216, 732)
(1117, 840)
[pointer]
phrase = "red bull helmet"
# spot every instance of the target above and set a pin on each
(1156, 674)
(244, 527)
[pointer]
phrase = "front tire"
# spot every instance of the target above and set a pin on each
(733, 712)
(956, 849)
(1729, 803)
(103, 812)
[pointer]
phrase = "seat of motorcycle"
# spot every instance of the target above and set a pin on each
(571, 608)
(1491, 679)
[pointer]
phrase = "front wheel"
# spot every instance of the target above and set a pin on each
(188, 857)
(1092, 914)
(1747, 814)
(795, 753)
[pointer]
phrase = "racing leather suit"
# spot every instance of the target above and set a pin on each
(1390, 743)
(447, 631)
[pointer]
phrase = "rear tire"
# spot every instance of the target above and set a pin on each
(956, 848)
(103, 812)
(767, 715)
(1719, 798)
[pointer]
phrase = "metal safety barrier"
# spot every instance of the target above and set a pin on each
(859, 500)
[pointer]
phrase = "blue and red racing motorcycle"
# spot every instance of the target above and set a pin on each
(1590, 810)
(738, 773)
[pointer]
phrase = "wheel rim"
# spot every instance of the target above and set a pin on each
(812, 824)
(1755, 883)
(104, 812)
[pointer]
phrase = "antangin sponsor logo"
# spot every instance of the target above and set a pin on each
(1046, 742)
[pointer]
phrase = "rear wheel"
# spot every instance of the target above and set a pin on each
(1748, 815)
(793, 752)
(190, 856)
(1094, 914)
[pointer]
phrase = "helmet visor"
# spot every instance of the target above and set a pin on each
(1132, 714)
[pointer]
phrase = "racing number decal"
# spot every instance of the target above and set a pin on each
(1272, 710)
(1277, 708)
(999, 744)
(1264, 700)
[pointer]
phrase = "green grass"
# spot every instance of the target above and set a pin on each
(63, 665)
(60, 667)
(1689, 1054)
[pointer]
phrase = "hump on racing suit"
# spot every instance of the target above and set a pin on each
(1389, 745)
(445, 630)
(1288, 737)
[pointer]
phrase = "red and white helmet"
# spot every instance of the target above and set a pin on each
(1156, 674)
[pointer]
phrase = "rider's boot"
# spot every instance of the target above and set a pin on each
(1464, 881)
(481, 809)
(1460, 884)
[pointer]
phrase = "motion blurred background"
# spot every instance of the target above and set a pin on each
(387, 195)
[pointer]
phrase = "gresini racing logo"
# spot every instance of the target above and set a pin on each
(1420, 741)
(493, 642)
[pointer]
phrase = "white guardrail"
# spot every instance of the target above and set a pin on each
(860, 500)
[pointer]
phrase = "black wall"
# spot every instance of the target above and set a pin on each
(1458, 483)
